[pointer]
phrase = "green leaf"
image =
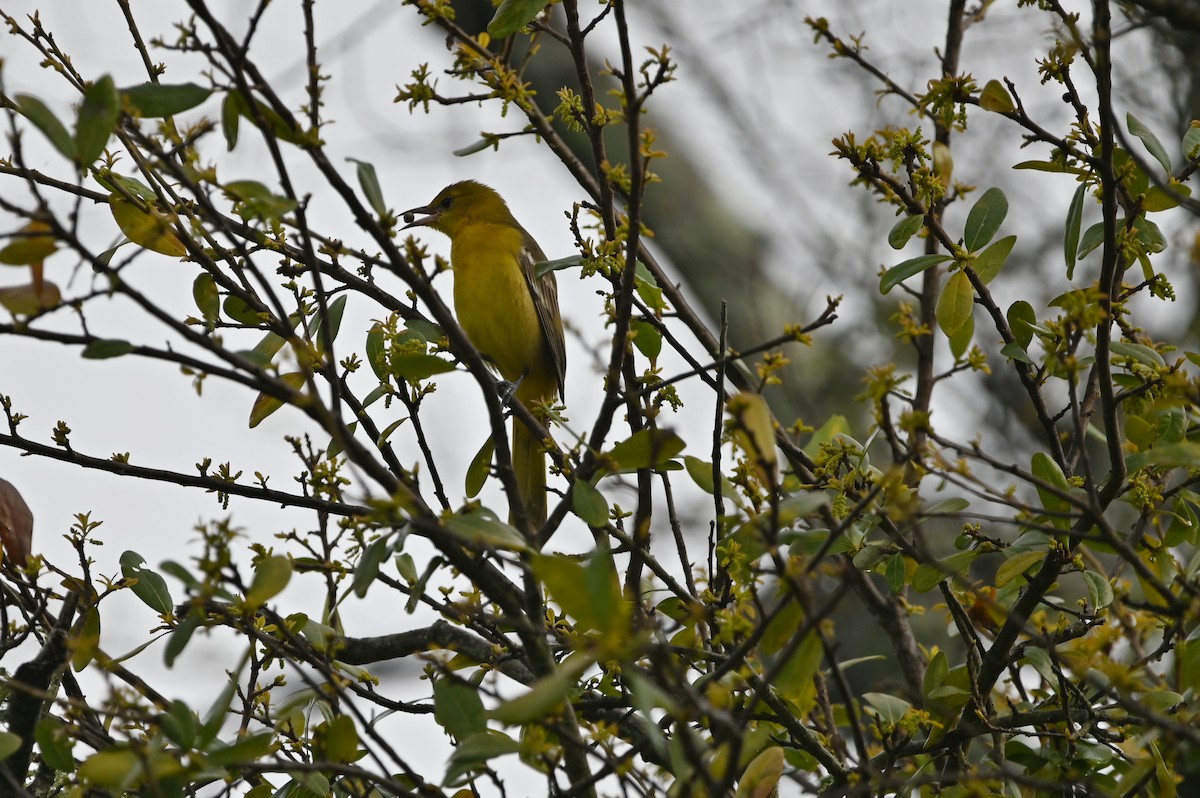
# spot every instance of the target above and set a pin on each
(955, 303)
(1020, 316)
(961, 339)
(245, 750)
(544, 267)
(85, 639)
(270, 578)
(985, 219)
(834, 425)
(180, 637)
(888, 708)
(1170, 455)
(1074, 222)
(1191, 141)
(106, 348)
(646, 338)
(987, 264)
(648, 448)
(337, 442)
(1149, 234)
(512, 15)
(1151, 142)
(333, 311)
(157, 99)
(229, 120)
(9, 744)
(207, 298)
(368, 565)
(902, 271)
(1092, 238)
(263, 115)
(480, 468)
(215, 716)
(1017, 565)
(546, 693)
(478, 146)
(369, 182)
(904, 230)
(114, 768)
(995, 98)
(265, 404)
(1100, 592)
(480, 528)
(795, 680)
(44, 120)
(1015, 351)
(590, 594)
(1048, 472)
(929, 574)
(955, 504)
(237, 309)
(256, 201)
(896, 573)
(419, 367)
(458, 709)
(1163, 198)
(150, 587)
(1139, 352)
(648, 289)
(55, 743)
(474, 752)
(589, 504)
(98, 116)
(1047, 166)
(340, 739)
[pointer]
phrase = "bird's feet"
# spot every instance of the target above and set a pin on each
(507, 391)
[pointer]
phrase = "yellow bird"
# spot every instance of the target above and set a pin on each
(510, 314)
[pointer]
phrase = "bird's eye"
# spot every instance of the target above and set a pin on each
(447, 202)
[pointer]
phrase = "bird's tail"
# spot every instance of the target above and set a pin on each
(529, 466)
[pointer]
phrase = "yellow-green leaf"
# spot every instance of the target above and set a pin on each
(754, 433)
(146, 228)
(33, 243)
(113, 769)
(26, 300)
(956, 302)
(995, 98)
(270, 578)
(265, 404)
(85, 639)
(1016, 565)
(761, 776)
(512, 15)
(648, 448)
(987, 264)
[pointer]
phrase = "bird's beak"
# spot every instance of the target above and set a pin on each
(428, 218)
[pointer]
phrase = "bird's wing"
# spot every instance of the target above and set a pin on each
(545, 299)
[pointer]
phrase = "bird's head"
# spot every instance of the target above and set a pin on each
(460, 204)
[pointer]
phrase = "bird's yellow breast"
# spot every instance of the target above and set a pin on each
(493, 303)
